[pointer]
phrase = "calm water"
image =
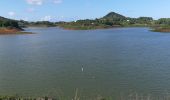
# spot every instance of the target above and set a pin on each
(115, 61)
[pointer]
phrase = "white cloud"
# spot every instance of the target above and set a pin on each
(35, 2)
(40, 2)
(57, 1)
(46, 18)
(11, 13)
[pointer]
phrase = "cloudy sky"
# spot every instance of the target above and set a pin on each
(68, 10)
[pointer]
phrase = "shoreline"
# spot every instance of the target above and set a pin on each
(88, 27)
(162, 30)
(12, 31)
(103, 28)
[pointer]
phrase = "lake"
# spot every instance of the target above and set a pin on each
(110, 62)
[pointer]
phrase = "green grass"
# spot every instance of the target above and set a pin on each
(161, 28)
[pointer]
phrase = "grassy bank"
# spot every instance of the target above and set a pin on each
(161, 29)
(132, 96)
(25, 98)
(4, 31)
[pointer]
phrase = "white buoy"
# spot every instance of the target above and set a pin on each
(82, 69)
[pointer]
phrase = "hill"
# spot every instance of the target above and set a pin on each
(5, 22)
(110, 20)
(10, 26)
(113, 16)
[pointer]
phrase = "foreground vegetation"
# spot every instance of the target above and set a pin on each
(132, 96)
(78, 96)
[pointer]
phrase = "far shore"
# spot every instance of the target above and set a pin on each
(15, 31)
(154, 29)
(98, 28)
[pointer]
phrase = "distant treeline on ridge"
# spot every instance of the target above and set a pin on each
(112, 19)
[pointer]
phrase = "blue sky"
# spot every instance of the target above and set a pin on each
(68, 10)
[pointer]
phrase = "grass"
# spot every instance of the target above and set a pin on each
(161, 28)
(77, 96)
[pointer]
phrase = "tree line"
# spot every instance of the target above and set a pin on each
(4, 22)
(110, 20)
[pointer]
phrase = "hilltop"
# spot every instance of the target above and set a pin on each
(113, 15)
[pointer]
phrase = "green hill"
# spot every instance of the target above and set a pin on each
(113, 16)
(5, 22)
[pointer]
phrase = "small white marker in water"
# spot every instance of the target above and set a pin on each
(82, 69)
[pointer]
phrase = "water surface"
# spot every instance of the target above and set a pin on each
(115, 61)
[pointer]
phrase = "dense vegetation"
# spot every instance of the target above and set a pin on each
(116, 20)
(40, 24)
(112, 19)
(162, 25)
(9, 23)
(163, 21)
(4, 22)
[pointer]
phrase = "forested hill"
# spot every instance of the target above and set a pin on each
(5, 22)
(110, 20)
(118, 19)
(113, 15)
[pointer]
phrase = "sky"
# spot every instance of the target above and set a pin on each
(70, 10)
